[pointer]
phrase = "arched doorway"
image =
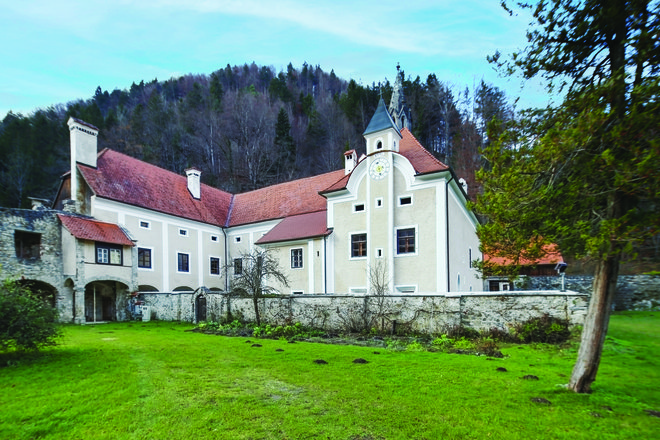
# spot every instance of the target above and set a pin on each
(43, 290)
(200, 308)
(101, 301)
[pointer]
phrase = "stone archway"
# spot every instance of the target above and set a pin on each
(45, 291)
(102, 301)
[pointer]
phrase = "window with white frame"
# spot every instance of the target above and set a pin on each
(183, 262)
(183, 232)
(109, 254)
(405, 241)
(214, 238)
(358, 207)
(215, 265)
(145, 224)
(238, 266)
(296, 258)
(358, 245)
(405, 200)
(144, 258)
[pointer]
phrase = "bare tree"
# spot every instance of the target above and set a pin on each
(258, 270)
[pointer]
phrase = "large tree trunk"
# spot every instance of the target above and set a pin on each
(595, 325)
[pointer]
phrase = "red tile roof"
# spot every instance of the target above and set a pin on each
(132, 181)
(283, 200)
(420, 158)
(552, 256)
(297, 227)
(94, 230)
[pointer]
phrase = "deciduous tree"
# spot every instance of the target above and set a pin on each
(583, 174)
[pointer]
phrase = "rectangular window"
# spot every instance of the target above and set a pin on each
(405, 240)
(145, 224)
(405, 200)
(358, 245)
(27, 244)
(379, 202)
(238, 266)
(215, 266)
(183, 262)
(296, 258)
(183, 232)
(358, 208)
(144, 258)
(109, 254)
(237, 239)
(214, 238)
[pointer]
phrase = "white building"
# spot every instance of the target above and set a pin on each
(135, 227)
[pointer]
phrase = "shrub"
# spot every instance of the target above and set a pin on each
(545, 329)
(27, 322)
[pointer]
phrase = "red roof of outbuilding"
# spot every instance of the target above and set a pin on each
(283, 200)
(552, 255)
(94, 230)
(297, 227)
(132, 181)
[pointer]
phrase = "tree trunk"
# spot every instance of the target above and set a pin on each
(595, 325)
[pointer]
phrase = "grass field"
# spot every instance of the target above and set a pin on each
(157, 381)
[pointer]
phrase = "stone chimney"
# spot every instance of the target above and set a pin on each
(83, 151)
(350, 161)
(194, 183)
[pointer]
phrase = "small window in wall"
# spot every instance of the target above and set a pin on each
(405, 200)
(145, 224)
(379, 145)
(183, 232)
(238, 266)
(214, 238)
(358, 245)
(379, 253)
(405, 241)
(237, 239)
(379, 202)
(470, 257)
(296, 258)
(358, 208)
(108, 254)
(215, 266)
(144, 258)
(27, 244)
(183, 262)
(297, 292)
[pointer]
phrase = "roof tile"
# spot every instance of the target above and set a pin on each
(94, 230)
(132, 181)
(298, 227)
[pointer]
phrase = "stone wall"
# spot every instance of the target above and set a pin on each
(634, 292)
(423, 313)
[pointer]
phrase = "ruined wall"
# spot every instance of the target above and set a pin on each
(423, 313)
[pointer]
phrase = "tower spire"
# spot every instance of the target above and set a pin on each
(398, 107)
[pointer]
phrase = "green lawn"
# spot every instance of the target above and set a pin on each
(156, 381)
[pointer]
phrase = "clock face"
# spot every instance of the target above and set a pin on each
(379, 168)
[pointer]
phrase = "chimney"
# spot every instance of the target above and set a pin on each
(83, 151)
(194, 184)
(350, 161)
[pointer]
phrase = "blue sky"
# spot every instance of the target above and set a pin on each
(55, 51)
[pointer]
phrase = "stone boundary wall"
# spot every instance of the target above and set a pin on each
(634, 292)
(423, 313)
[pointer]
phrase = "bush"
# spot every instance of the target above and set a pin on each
(544, 329)
(27, 322)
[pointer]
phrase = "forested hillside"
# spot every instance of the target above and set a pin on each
(244, 126)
